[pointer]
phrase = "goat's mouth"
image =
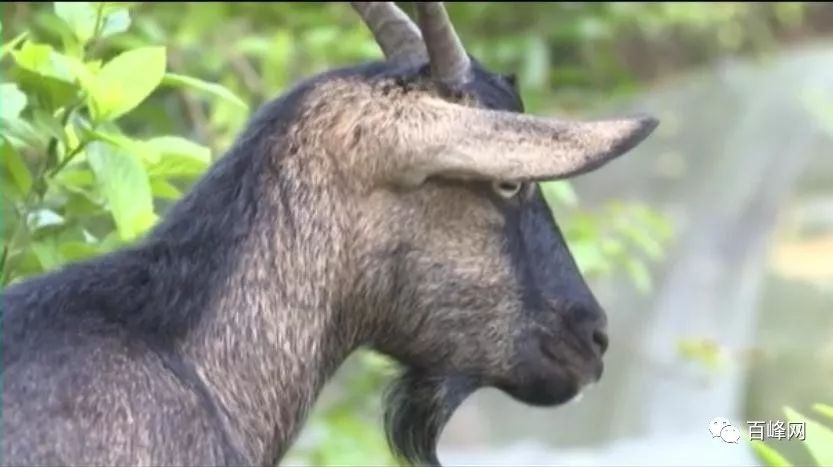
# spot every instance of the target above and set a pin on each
(550, 374)
(584, 366)
(544, 391)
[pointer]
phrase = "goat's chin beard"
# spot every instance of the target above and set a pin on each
(417, 407)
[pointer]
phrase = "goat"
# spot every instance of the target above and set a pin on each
(391, 205)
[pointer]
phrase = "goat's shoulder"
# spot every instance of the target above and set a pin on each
(67, 301)
(75, 382)
(70, 369)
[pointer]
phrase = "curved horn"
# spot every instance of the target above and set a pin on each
(449, 62)
(435, 137)
(394, 31)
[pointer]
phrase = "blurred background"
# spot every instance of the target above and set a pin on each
(710, 245)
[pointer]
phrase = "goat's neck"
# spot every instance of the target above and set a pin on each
(272, 336)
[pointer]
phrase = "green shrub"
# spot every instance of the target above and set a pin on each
(818, 439)
(75, 183)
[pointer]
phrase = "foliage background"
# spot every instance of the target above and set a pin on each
(110, 111)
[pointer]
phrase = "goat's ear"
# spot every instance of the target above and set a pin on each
(437, 137)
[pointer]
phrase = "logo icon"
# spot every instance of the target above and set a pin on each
(730, 434)
(716, 425)
(721, 428)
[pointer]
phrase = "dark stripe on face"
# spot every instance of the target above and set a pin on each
(543, 264)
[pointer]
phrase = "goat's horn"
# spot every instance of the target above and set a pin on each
(394, 31)
(465, 142)
(449, 62)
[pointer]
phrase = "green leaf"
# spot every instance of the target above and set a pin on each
(47, 253)
(178, 157)
(703, 351)
(824, 409)
(77, 179)
(48, 124)
(115, 22)
(9, 193)
(162, 189)
(768, 455)
(81, 17)
(76, 251)
(43, 218)
(612, 247)
(110, 242)
(23, 263)
(84, 17)
(658, 224)
(639, 274)
(21, 134)
(819, 438)
(589, 257)
(350, 442)
(127, 80)
(146, 152)
(172, 79)
(126, 187)
(12, 101)
(641, 237)
(81, 203)
(16, 167)
(74, 130)
(44, 72)
(559, 192)
(85, 73)
(8, 46)
(43, 60)
(9, 216)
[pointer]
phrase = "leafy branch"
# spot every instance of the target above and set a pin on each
(88, 186)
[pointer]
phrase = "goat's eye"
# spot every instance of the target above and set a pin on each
(507, 190)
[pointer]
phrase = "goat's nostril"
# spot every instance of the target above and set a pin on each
(600, 339)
